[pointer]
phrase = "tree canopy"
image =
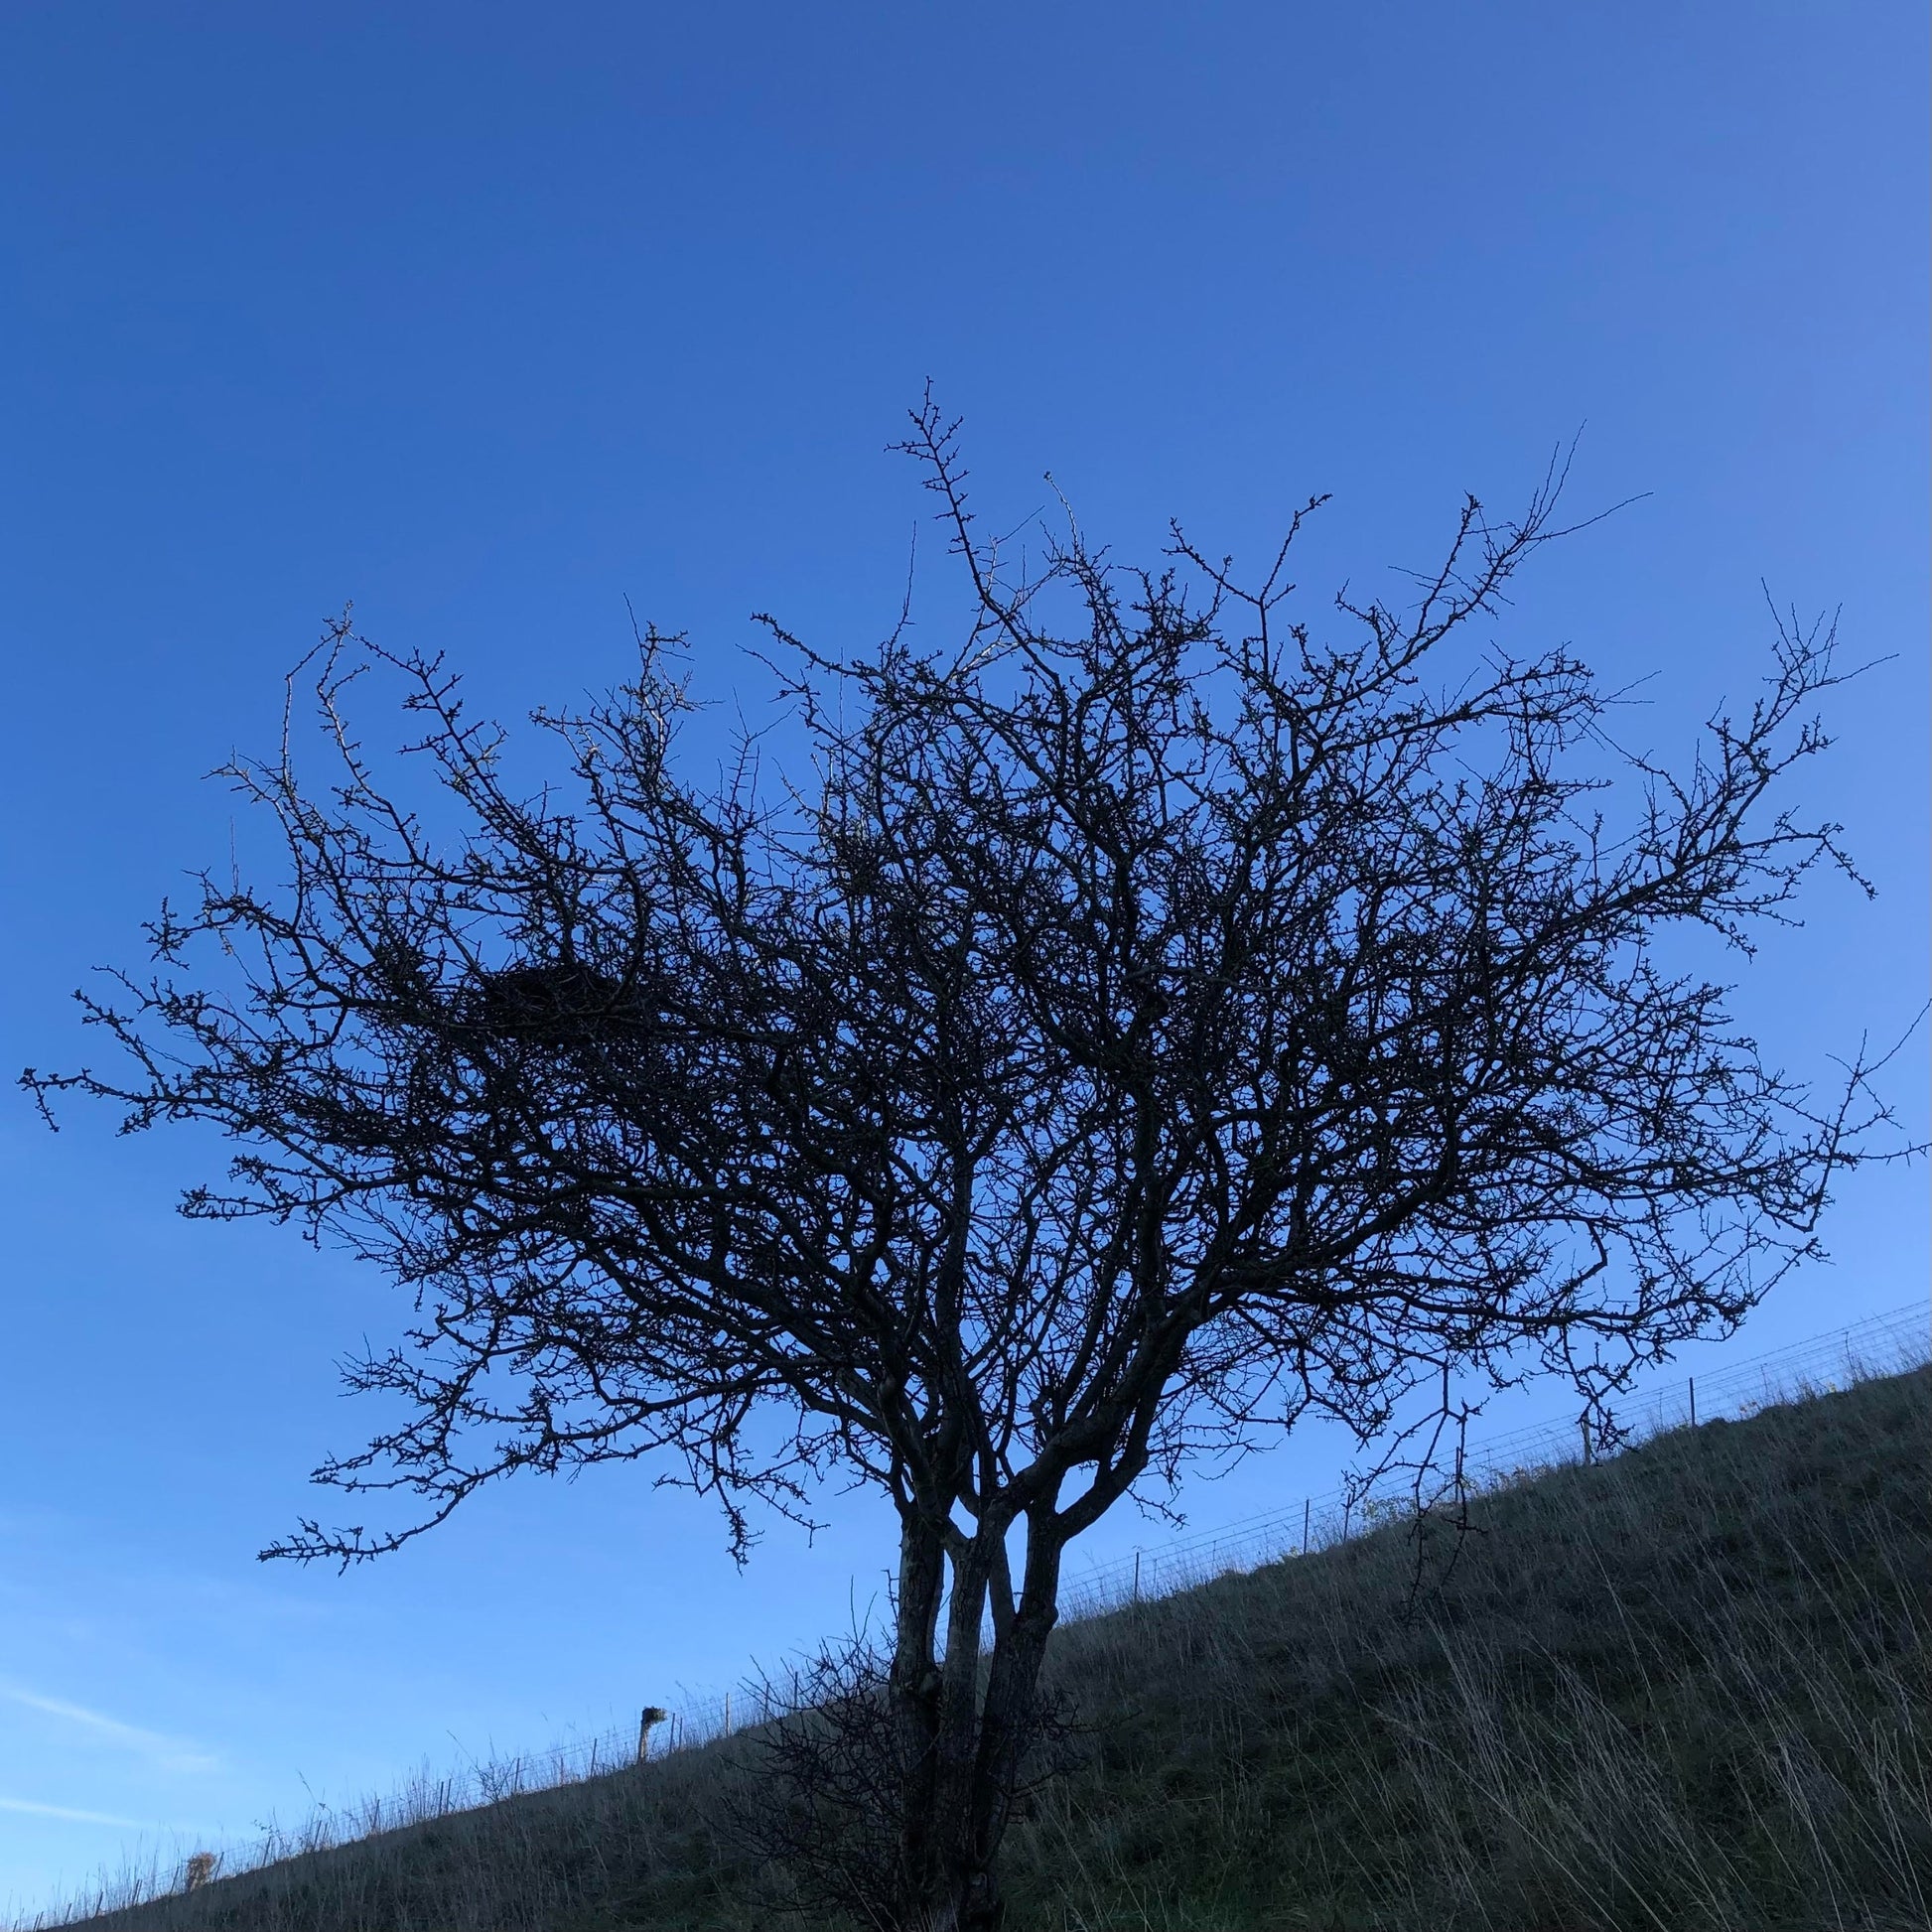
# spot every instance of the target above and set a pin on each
(1144, 1021)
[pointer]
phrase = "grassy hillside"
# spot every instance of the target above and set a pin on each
(1687, 1688)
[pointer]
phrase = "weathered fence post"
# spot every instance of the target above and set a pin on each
(650, 1716)
(1306, 1506)
(1694, 1402)
(1136, 1576)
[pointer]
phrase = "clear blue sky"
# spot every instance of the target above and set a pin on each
(486, 317)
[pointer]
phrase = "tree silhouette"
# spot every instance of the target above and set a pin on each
(1144, 1023)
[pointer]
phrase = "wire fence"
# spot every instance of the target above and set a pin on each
(1881, 1344)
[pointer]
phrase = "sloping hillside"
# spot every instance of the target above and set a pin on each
(1687, 1688)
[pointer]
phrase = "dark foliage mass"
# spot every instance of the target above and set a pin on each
(1152, 1022)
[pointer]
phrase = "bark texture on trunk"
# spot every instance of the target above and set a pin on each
(915, 1690)
(973, 1726)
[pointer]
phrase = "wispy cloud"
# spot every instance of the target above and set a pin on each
(169, 1753)
(34, 1809)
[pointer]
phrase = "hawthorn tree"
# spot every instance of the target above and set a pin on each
(1139, 1023)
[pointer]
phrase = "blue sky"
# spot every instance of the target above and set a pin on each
(488, 317)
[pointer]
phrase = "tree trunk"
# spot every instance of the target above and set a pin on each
(960, 1801)
(942, 1881)
(1010, 1721)
(914, 1690)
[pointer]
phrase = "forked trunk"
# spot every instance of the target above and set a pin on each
(959, 1801)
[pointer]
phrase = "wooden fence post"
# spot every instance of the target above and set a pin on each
(648, 1718)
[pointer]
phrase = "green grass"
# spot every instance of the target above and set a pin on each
(1686, 1688)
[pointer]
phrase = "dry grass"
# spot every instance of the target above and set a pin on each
(1687, 1689)
(1684, 1688)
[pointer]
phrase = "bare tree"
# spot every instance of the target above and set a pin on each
(1146, 1022)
